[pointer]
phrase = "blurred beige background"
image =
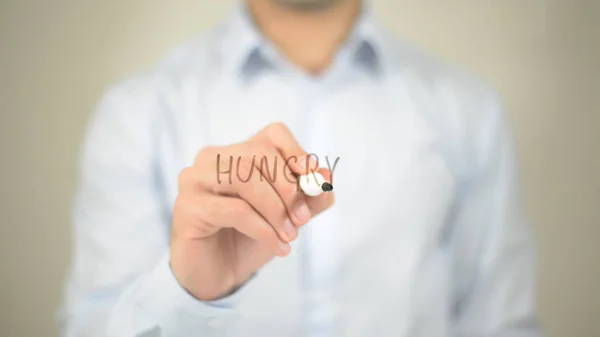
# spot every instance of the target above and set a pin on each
(57, 56)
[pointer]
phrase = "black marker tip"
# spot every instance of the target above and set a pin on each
(327, 187)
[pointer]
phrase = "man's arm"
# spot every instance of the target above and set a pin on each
(120, 282)
(496, 260)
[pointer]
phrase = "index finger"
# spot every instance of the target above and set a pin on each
(296, 158)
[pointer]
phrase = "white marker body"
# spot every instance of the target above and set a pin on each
(311, 183)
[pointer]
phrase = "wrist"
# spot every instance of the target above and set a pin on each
(208, 288)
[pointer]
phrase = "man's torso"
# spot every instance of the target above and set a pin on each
(378, 262)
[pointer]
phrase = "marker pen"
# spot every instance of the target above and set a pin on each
(313, 184)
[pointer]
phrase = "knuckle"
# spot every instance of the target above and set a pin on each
(184, 209)
(237, 210)
(185, 176)
(191, 218)
(179, 206)
(276, 128)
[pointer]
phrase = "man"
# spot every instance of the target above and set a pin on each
(176, 237)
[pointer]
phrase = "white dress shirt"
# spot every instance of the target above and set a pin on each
(427, 236)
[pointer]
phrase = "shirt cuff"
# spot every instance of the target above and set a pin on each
(177, 312)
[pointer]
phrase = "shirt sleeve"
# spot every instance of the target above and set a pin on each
(120, 281)
(496, 260)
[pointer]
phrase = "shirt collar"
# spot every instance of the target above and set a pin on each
(245, 50)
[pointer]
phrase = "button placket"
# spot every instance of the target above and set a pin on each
(317, 281)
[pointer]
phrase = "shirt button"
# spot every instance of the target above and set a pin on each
(215, 323)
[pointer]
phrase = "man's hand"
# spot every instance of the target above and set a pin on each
(223, 232)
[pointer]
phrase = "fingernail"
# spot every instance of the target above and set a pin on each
(290, 230)
(302, 213)
(283, 248)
